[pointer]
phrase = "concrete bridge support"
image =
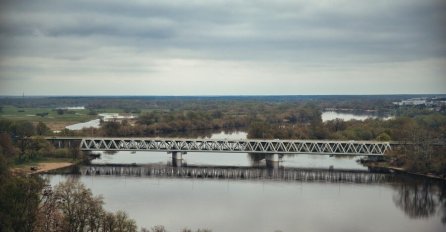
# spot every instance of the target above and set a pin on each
(177, 158)
(272, 160)
(178, 155)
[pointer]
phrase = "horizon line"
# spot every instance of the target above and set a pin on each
(229, 95)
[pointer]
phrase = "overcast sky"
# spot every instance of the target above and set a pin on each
(227, 47)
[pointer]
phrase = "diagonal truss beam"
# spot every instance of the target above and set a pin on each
(326, 147)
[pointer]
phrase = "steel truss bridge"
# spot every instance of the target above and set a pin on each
(177, 145)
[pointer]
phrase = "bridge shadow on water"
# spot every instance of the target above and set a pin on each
(256, 172)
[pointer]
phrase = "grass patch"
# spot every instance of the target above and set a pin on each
(54, 120)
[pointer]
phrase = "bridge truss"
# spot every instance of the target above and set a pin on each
(326, 147)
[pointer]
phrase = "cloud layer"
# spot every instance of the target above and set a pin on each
(222, 47)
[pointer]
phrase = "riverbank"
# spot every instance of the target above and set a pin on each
(42, 167)
(386, 165)
(402, 170)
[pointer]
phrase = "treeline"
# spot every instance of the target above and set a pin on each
(161, 123)
(21, 142)
(366, 102)
(189, 122)
(397, 129)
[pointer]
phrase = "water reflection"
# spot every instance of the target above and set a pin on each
(346, 200)
(442, 198)
(257, 159)
(417, 201)
(237, 173)
(420, 197)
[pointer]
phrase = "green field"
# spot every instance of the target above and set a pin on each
(54, 120)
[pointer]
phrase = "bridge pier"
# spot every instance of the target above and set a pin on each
(177, 155)
(272, 160)
(177, 162)
(177, 158)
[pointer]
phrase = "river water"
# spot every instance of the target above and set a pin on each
(400, 203)
(96, 123)
(331, 115)
(265, 205)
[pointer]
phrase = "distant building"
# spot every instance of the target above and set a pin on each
(412, 102)
(435, 103)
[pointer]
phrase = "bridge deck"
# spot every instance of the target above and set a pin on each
(328, 147)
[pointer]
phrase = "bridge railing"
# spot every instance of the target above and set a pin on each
(328, 147)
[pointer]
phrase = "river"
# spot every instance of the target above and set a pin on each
(399, 203)
(256, 205)
(96, 123)
(331, 115)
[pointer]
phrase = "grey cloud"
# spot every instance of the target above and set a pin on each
(381, 30)
(84, 35)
